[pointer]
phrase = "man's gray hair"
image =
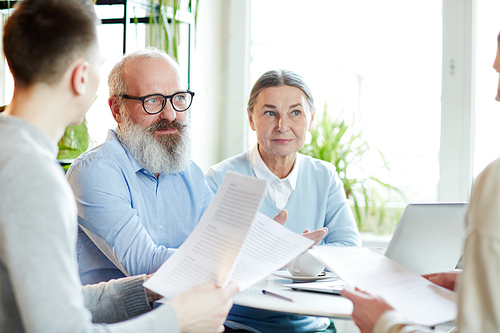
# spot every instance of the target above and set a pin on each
(116, 82)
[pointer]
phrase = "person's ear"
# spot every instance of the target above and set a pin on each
(114, 105)
(250, 119)
(80, 77)
(312, 118)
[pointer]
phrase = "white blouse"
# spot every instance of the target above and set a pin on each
(278, 190)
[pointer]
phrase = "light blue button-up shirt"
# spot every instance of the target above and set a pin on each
(130, 222)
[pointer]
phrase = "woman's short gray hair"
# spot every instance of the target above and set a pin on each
(278, 78)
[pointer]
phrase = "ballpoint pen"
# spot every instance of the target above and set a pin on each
(266, 292)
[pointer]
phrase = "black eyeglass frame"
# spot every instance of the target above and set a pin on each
(169, 97)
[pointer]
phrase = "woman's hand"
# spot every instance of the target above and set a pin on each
(281, 217)
(316, 235)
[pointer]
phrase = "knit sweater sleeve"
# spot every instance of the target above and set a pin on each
(116, 300)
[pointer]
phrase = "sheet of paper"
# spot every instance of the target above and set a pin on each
(268, 247)
(414, 297)
(229, 243)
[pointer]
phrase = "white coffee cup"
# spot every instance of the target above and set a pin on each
(306, 265)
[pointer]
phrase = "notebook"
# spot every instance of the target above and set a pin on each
(429, 237)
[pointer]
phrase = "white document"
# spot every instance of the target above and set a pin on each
(232, 242)
(414, 297)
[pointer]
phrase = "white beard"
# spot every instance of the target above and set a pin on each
(166, 154)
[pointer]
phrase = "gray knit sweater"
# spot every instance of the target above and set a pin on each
(40, 290)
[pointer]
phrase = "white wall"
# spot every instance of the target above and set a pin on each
(457, 114)
(219, 79)
(207, 72)
(207, 79)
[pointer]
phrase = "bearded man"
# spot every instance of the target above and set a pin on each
(139, 195)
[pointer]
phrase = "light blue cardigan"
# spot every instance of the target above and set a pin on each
(318, 201)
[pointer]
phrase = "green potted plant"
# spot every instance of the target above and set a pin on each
(164, 23)
(337, 141)
(74, 142)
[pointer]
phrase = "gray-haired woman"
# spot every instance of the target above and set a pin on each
(281, 112)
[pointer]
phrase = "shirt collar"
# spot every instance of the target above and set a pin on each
(135, 165)
(262, 171)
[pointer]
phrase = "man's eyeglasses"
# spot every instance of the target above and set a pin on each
(155, 103)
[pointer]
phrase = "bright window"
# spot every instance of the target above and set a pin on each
(99, 118)
(487, 110)
(377, 60)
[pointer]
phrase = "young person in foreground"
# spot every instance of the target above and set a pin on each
(478, 302)
(51, 48)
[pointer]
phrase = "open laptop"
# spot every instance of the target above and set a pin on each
(429, 237)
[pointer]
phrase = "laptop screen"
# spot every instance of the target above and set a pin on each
(429, 237)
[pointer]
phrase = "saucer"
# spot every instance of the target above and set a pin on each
(286, 275)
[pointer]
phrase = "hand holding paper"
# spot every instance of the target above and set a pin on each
(367, 308)
(204, 308)
(232, 242)
(414, 297)
(446, 280)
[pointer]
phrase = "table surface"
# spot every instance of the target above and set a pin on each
(306, 302)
